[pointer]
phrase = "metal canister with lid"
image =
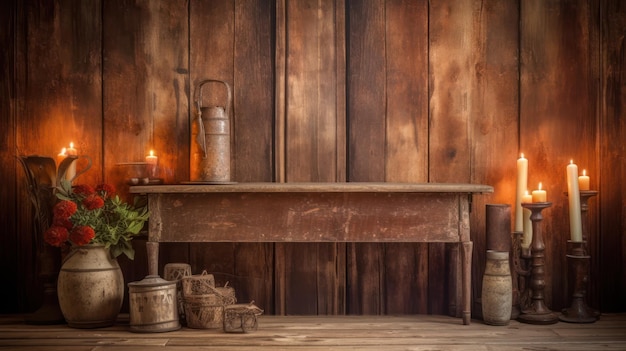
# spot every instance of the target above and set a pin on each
(153, 305)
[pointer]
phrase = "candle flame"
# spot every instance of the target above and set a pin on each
(63, 151)
(539, 185)
(584, 172)
(571, 162)
(71, 145)
(151, 152)
(522, 155)
(527, 192)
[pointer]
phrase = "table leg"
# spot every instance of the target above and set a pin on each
(152, 248)
(466, 263)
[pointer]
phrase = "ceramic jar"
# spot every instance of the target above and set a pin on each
(497, 292)
(90, 287)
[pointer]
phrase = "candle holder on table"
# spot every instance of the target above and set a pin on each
(578, 260)
(537, 312)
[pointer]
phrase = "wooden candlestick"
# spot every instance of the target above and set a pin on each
(537, 312)
(578, 265)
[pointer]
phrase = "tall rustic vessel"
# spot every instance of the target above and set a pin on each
(90, 287)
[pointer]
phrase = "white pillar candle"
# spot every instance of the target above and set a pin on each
(522, 185)
(573, 195)
(583, 181)
(540, 195)
(151, 159)
(71, 170)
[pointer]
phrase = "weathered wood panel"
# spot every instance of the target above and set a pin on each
(494, 122)
(59, 101)
(366, 142)
(146, 105)
(145, 86)
(450, 53)
(253, 134)
(555, 86)
(9, 176)
(406, 143)
(609, 257)
(311, 125)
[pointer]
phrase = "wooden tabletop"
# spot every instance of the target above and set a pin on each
(268, 187)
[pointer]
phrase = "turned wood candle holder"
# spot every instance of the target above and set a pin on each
(579, 260)
(537, 312)
(578, 273)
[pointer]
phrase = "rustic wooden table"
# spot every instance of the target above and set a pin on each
(314, 212)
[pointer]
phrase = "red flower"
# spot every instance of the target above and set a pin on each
(107, 190)
(56, 235)
(82, 235)
(83, 189)
(64, 209)
(93, 202)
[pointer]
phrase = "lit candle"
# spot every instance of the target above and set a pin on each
(151, 159)
(527, 238)
(573, 195)
(71, 151)
(540, 195)
(151, 166)
(583, 181)
(522, 185)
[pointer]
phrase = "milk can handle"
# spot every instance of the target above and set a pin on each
(201, 137)
(199, 92)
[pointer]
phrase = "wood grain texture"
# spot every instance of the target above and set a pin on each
(60, 101)
(494, 117)
(321, 333)
(450, 50)
(406, 142)
(311, 143)
(9, 98)
(310, 217)
(366, 77)
(611, 235)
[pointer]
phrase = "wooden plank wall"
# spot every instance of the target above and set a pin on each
(328, 91)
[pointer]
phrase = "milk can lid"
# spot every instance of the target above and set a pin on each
(151, 281)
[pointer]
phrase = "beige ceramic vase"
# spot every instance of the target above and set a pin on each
(497, 292)
(90, 287)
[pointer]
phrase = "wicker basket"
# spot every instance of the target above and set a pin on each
(241, 318)
(199, 284)
(204, 303)
(204, 311)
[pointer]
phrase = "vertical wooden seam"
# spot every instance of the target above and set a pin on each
(340, 104)
(280, 76)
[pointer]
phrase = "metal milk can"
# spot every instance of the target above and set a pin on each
(153, 305)
(210, 139)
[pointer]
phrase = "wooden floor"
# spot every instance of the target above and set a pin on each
(328, 333)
